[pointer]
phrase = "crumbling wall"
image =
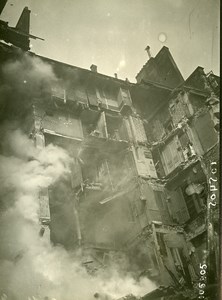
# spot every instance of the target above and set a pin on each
(138, 129)
(180, 107)
(159, 125)
(207, 135)
(197, 101)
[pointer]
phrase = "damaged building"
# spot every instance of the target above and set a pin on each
(143, 158)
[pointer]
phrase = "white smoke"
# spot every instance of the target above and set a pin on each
(27, 73)
(30, 265)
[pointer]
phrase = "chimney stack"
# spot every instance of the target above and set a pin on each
(115, 74)
(93, 68)
(148, 51)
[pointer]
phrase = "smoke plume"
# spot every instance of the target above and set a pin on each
(30, 266)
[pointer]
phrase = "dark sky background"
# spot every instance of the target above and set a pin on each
(114, 33)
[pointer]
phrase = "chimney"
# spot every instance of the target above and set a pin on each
(93, 68)
(148, 51)
(115, 74)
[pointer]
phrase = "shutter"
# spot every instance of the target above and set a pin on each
(171, 156)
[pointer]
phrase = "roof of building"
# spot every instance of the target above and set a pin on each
(161, 69)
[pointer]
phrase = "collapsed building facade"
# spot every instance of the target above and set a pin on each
(143, 158)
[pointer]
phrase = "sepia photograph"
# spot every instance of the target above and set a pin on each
(109, 150)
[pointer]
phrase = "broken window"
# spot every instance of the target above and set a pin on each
(160, 240)
(107, 98)
(58, 92)
(193, 199)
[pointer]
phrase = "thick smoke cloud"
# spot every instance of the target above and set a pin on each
(30, 266)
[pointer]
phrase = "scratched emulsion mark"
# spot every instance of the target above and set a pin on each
(189, 19)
